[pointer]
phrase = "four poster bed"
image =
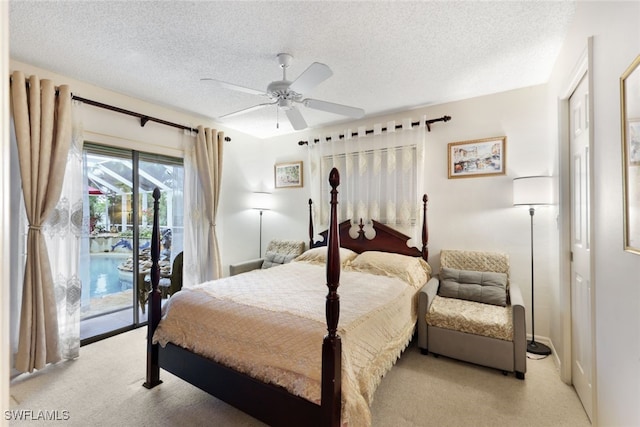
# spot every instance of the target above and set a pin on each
(267, 358)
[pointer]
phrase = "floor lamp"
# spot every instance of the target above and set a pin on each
(262, 202)
(533, 191)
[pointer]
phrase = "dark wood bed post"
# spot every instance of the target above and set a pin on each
(425, 229)
(332, 345)
(310, 224)
(153, 367)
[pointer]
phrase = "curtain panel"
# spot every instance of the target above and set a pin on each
(381, 175)
(43, 130)
(203, 175)
(63, 231)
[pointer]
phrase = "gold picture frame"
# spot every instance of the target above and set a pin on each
(288, 175)
(630, 123)
(478, 157)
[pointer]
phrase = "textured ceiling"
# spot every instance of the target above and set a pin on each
(385, 56)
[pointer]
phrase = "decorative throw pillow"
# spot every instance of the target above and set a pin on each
(481, 286)
(319, 255)
(413, 270)
(271, 259)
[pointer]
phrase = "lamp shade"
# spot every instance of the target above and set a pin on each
(261, 200)
(532, 190)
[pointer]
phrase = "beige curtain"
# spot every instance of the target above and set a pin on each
(43, 133)
(209, 145)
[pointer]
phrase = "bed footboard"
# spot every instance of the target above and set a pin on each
(269, 403)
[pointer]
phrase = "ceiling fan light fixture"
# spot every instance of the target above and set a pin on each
(284, 93)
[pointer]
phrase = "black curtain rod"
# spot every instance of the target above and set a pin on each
(143, 117)
(384, 129)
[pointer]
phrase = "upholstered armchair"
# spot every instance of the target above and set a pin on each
(278, 252)
(474, 313)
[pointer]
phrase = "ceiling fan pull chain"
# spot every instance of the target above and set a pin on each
(277, 118)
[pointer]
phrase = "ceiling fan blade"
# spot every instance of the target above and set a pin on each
(311, 77)
(296, 119)
(331, 107)
(246, 110)
(237, 87)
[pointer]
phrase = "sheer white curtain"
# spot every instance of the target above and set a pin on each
(203, 172)
(62, 231)
(381, 175)
(195, 224)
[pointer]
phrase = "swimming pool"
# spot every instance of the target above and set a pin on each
(105, 276)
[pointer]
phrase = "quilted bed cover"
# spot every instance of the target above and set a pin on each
(270, 324)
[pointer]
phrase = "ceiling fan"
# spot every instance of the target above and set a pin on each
(284, 94)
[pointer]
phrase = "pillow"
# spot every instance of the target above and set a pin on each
(319, 256)
(413, 270)
(480, 286)
(272, 259)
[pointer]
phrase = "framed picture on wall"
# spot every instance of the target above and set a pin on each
(288, 175)
(478, 157)
(630, 114)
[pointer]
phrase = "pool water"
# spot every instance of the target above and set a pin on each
(105, 277)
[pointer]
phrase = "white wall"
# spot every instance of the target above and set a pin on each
(249, 166)
(616, 42)
(472, 213)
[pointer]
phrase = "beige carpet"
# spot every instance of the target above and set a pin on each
(104, 388)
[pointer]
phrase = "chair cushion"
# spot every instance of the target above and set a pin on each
(475, 260)
(471, 317)
(481, 286)
(281, 252)
(286, 247)
(272, 259)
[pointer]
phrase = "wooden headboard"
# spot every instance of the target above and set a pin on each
(386, 239)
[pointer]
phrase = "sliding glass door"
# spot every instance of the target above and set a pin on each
(115, 253)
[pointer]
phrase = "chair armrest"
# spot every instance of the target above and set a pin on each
(425, 298)
(243, 267)
(519, 328)
(427, 293)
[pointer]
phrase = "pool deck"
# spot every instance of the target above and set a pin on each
(109, 302)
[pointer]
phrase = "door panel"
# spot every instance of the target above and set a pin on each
(580, 246)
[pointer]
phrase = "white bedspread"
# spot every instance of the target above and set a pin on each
(270, 324)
